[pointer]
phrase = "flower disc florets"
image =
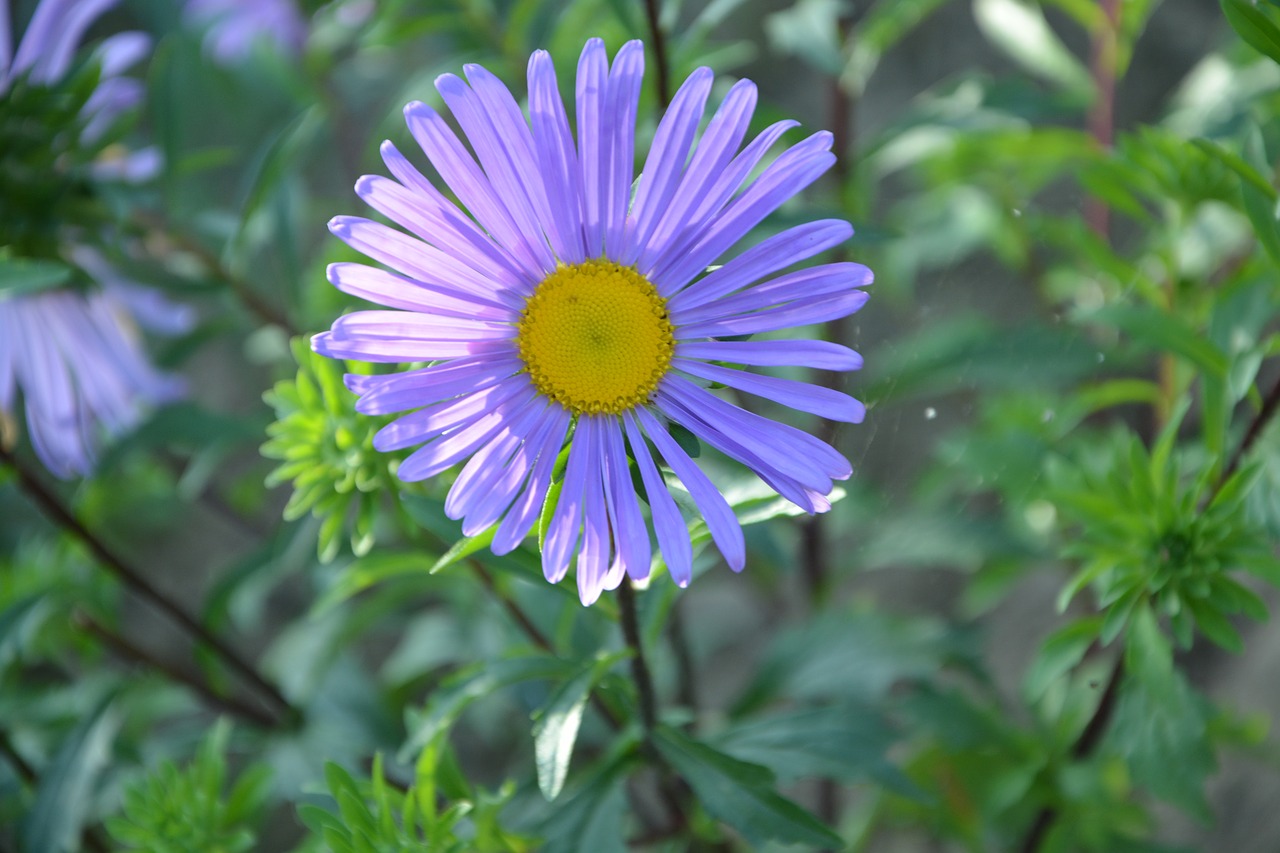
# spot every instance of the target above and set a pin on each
(595, 337)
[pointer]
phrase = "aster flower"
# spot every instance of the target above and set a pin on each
(561, 311)
(75, 354)
(235, 26)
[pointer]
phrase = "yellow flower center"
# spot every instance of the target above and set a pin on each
(595, 337)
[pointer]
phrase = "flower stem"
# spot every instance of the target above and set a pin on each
(128, 650)
(658, 41)
(54, 509)
(1101, 121)
(639, 665)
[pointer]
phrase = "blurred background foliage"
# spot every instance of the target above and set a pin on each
(1037, 621)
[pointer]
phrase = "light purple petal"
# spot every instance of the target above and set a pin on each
(802, 396)
(506, 162)
(52, 36)
(820, 355)
(662, 169)
(419, 260)
(519, 520)
(622, 100)
(631, 538)
(721, 522)
(448, 450)
(395, 352)
(798, 313)
(709, 202)
(592, 85)
(478, 476)
(429, 422)
(795, 169)
(714, 152)
(406, 294)
(668, 525)
(382, 395)
(450, 228)
(472, 188)
(566, 521)
(805, 284)
(776, 253)
(493, 501)
(557, 159)
(593, 557)
(409, 326)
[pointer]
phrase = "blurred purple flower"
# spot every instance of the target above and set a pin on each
(234, 26)
(563, 304)
(76, 356)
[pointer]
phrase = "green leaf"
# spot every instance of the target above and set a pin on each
(1021, 31)
(65, 795)
(1164, 331)
(809, 30)
(1061, 651)
(1237, 164)
(452, 697)
(1261, 211)
(23, 277)
(464, 548)
(1254, 26)
(367, 572)
(1161, 728)
(13, 625)
(556, 728)
(594, 815)
(741, 794)
(844, 742)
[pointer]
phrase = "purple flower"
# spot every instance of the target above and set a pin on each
(81, 370)
(562, 310)
(234, 26)
(76, 356)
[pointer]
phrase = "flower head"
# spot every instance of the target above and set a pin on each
(561, 310)
(73, 352)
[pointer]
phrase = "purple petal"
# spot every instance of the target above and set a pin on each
(592, 83)
(566, 522)
(820, 355)
(622, 100)
(801, 312)
(631, 538)
(668, 524)
(447, 450)
(556, 158)
(470, 185)
(802, 396)
(593, 557)
(517, 523)
(505, 152)
(807, 284)
(715, 149)
(795, 169)
(382, 395)
(776, 253)
(667, 155)
(491, 502)
(724, 527)
(406, 294)
(438, 418)
(398, 352)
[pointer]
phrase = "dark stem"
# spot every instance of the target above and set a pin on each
(54, 509)
(1101, 121)
(531, 630)
(1089, 740)
(126, 649)
(1251, 435)
(686, 689)
(244, 291)
(659, 44)
(639, 666)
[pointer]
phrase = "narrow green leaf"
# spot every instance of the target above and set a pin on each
(1164, 331)
(556, 728)
(464, 548)
(1237, 164)
(1061, 651)
(23, 277)
(65, 795)
(1254, 26)
(741, 794)
(1021, 31)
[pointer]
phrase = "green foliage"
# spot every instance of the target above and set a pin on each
(326, 449)
(1145, 533)
(172, 809)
